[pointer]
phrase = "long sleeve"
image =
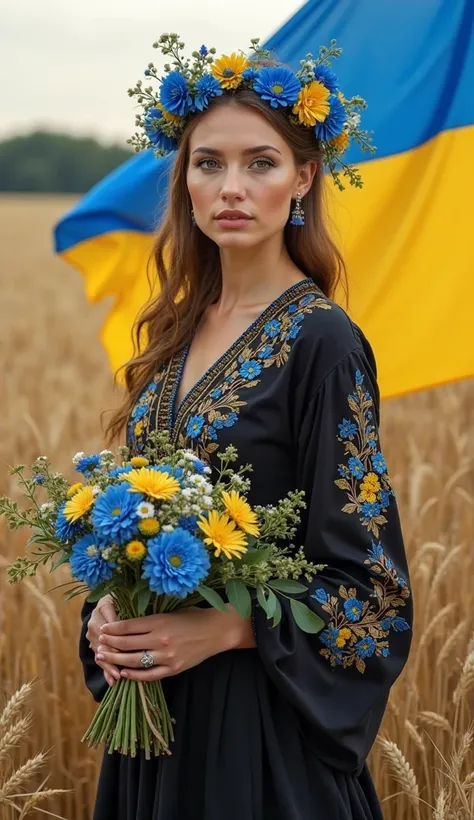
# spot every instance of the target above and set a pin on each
(338, 681)
(93, 674)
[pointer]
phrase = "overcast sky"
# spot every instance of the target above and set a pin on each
(67, 64)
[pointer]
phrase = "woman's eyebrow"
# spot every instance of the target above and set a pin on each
(216, 153)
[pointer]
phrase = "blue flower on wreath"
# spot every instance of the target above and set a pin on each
(278, 85)
(175, 563)
(250, 74)
(353, 609)
(195, 425)
(87, 563)
(324, 75)
(251, 369)
(206, 87)
(321, 596)
(365, 648)
(334, 123)
(152, 127)
(174, 94)
(266, 352)
(115, 515)
(87, 464)
(379, 464)
(66, 530)
(347, 429)
(356, 467)
(272, 328)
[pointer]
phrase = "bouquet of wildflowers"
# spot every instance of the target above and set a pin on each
(156, 534)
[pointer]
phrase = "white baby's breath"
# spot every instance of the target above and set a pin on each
(167, 528)
(77, 458)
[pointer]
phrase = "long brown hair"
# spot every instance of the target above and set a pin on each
(188, 262)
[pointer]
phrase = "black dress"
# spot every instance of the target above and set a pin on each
(282, 732)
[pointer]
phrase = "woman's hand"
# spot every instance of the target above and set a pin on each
(177, 641)
(104, 613)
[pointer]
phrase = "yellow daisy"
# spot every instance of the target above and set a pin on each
(79, 504)
(341, 142)
(135, 550)
(223, 535)
(149, 526)
(169, 117)
(241, 512)
(74, 488)
(312, 105)
(153, 483)
(229, 70)
(139, 461)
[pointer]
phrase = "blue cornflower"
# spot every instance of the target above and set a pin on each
(116, 471)
(386, 623)
(372, 443)
(329, 636)
(385, 651)
(87, 563)
(347, 429)
(324, 75)
(278, 85)
(365, 648)
(356, 467)
(64, 530)
(87, 464)
(39, 478)
(152, 127)
(249, 74)
(293, 331)
(375, 553)
(250, 370)
(207, 87)
(216, 394)
(195, 425)
(203, 51)
(400, 624)
(115, 516)
(333, 125)
(370, 509)
(189, 524)
(174, 94)
(265, 352)
(342, 471)
(379, 464)
(353, 609)
(272, 328)
(321, 596)
(211, 432)
(176, 563)
(401, 581)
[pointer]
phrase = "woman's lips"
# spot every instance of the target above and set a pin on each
(233, 219)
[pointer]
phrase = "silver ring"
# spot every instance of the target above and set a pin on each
(147, 660)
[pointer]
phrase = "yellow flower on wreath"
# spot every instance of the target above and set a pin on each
(168, 116)
(149, 526)
(74, 488)
(312, 105)
(223, 535)
(79, 504)
(153, 483)
(241, 512)
(369, 487)
(341, 142)
(229, 69)
(135, 550)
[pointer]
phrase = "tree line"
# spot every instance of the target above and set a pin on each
(48, 162)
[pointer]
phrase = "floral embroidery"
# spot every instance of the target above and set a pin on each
(358, 630)
(266, 343)
(138, 423)
(364, 476)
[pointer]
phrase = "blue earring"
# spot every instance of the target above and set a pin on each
(297, 214)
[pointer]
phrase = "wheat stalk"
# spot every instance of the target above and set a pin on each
(15, 704)
(401, 770)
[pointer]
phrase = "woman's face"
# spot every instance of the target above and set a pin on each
(242, 177)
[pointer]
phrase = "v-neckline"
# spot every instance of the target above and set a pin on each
(175, 411)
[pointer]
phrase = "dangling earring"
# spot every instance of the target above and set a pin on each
(193, 221)
(297, 214)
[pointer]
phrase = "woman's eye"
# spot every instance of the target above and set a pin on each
(204, 163)
(262, 164)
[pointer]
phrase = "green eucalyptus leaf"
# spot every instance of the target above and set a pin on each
(239, 597)
(287, 585)
(306, 619)
(277, 613)
(143, 599)
(212, 597)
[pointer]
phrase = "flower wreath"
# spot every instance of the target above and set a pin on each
(310, 96)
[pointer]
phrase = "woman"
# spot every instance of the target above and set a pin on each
(245, 346)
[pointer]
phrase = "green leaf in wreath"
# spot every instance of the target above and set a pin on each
(305, 618)
(239, 597)
(287, 585)
(212, 597)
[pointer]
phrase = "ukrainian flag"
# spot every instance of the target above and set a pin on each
(407, 236)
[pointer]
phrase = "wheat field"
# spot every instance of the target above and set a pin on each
(55, 382)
